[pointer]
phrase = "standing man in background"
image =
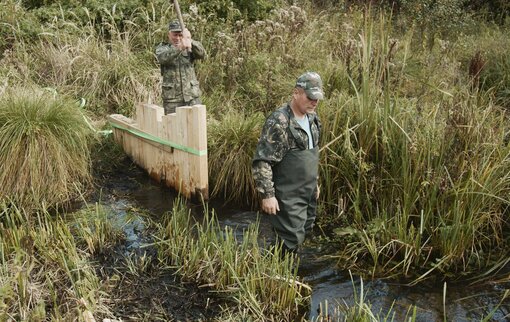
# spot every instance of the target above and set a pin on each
(286, 163)
(177, 58)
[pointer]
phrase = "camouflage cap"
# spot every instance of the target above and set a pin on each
(175, 26)
(312, 84)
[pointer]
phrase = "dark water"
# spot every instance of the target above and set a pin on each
(131, 191)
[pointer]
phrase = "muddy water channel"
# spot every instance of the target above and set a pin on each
(131, 196)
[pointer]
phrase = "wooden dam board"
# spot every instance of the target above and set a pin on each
(171, 148)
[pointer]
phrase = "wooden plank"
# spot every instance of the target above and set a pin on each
(183, 159)
(141, 147)
(160, 158)
(197, 134)
(152, 155)
(170, 167)
(136, 143)
(160, 153)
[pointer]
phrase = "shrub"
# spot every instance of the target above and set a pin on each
(498, 10)
(16, 24)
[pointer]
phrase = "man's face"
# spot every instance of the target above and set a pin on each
(303, 103)
(175, 37)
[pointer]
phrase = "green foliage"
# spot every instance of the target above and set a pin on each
(498, 10)
(116, 12)
(95, 230)
(252, 64)
(442, 17)
(43, 274)
(237, 9)
(262, 283)
(486, 58)
(496, 73)
(16, 24)
(412, 145)
(44, 154)
(425, 184)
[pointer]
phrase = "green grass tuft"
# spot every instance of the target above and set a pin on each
(44, 148)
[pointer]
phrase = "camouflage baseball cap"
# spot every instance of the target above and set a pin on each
(175, 26)
(312, 84)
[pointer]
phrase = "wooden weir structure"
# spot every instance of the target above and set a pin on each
(171, 148)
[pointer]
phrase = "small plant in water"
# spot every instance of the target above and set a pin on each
(43, 273)
(93, 228)
(262, 283)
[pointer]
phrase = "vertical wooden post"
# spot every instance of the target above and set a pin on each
(197, 134)
(182, 135)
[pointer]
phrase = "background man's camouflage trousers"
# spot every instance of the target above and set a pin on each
(171, 106)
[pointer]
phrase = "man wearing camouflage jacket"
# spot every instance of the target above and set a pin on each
(285, 165)
(180, 84)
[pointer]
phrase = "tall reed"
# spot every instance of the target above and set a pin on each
(426, 183)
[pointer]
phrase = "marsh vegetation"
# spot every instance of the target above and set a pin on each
(415, 167)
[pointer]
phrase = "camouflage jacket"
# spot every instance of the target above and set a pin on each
(281, 133)
(180, 83)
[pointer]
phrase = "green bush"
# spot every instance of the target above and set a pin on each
(251, 9)
(16, 25)
(498, 10)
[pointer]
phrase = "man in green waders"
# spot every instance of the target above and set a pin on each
(285, 165)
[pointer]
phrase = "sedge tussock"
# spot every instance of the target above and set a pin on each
(44, 148)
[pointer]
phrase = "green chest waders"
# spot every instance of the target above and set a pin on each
(295, 182)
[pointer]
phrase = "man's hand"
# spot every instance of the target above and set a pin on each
(186, 39)
(270, 206)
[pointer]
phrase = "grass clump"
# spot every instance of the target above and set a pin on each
(232, 143)
(262, 284)
(44, 148)
(43, 274)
